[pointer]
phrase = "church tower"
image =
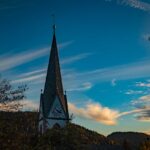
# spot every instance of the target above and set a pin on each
(53, 111)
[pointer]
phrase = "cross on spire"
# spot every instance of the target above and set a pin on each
(54, 26)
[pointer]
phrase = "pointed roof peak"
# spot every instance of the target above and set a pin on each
(54, 43)
(54, 28)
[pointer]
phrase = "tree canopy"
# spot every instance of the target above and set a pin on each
(11, 96)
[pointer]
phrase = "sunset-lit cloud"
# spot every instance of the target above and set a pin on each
(23, 105)
(108, 116)
(147, 132)
(95, 111)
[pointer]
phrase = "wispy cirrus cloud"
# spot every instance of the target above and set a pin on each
(143, 88)
(141, 100)
(121, 72)
(144, 116)
(30, 79)
(143, 84)
(74, 58)
(40, 74)
(134, 111)
(83, 87)
(34, 72)
(138, 4)
(143, 105)
(65, 44)
(131, 92)
(76, 80)
(10, 60)
(14, 60)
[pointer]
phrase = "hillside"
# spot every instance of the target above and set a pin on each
(134, 139)
(73, 137)
(18, 131)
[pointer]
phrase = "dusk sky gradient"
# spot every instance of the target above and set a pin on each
(104, 49)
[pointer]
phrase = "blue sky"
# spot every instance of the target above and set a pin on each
(104, 50)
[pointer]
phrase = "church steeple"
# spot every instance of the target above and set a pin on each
(53, 84)
(53, 91)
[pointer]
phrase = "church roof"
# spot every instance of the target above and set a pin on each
(53, 84)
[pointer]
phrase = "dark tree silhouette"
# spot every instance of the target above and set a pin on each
(126, 145)
(145, 145)
(9, 96)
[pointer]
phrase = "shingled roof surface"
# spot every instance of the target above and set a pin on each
(53, 84)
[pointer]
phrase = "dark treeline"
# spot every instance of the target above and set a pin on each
(18, 131)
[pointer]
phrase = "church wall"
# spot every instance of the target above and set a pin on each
(51, 123)
(40, 127)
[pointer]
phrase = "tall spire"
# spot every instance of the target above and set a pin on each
(53, 84)
(53, 102)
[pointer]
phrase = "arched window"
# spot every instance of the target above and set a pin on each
(56, 126)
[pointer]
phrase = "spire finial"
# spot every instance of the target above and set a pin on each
(41, 91)
(54, 26)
